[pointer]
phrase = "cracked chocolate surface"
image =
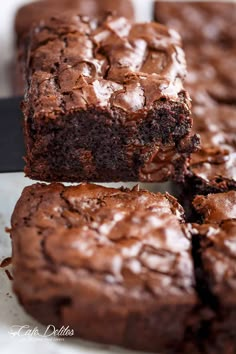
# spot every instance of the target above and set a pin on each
(117, 264)
(96, 257)
(105, 102)
(36, 12)
(208, 32)
(78, 63)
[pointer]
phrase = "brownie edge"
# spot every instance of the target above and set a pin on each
(125, 252)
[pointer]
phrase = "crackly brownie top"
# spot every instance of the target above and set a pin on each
(216, 159)
(124, 241)
(76, 63)
(218, 253)
(198, 21)
(216, 207)
(32, 13)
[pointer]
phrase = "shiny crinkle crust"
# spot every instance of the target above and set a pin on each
(107, 262)
(74, 63)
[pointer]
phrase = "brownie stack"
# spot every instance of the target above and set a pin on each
(105, 101)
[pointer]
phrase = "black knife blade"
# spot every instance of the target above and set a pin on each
(12, 147)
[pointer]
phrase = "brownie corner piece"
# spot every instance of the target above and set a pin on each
(126, 254)
(105, 102)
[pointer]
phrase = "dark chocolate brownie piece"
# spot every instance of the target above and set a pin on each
(213, 167)
(199, 22)
(105, 102)
(115, 265)
(215, 250)
(214, 255)
(215, 208)
(35, 12)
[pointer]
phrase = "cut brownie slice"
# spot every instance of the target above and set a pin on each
(215, 248)
(114, 265)
(199, 22)
(106, 102)
(35, 12)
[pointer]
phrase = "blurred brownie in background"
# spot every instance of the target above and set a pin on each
(211, 73)
(105, 102)
(213, 166)
(209, 38)
(33, 13)
(197, 22)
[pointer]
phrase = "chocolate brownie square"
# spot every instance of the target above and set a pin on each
(113, 264)
(105, 102)
(35, 12)
(215, 246)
